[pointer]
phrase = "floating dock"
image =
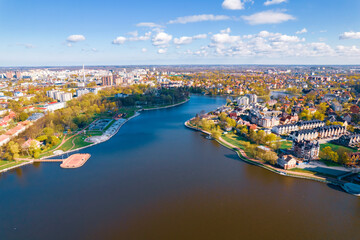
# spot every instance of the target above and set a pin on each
(74, 161)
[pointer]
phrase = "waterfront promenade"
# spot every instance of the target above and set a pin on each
(243, 156)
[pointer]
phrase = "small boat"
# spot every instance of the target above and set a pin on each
(209, 137)
(283, 173)
(352, 188)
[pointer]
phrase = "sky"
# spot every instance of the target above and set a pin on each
(137, 32)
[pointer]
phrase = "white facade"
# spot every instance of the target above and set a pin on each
(243, 101)
(55, 106)
(81, 92)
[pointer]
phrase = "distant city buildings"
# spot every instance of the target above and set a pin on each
(247, 100)
(80, 92)
(59, 95)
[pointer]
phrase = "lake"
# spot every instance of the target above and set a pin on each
(157, 179)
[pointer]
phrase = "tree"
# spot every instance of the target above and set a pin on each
(328, 154)
(350, 128)
(270, 139)
(14, 149)
(244, 130)
(261, 137)
(270, 157)
(319, 116)
(48, 131)
(253, 135)
(215, 133)
(231, 122)
(23, 116)
(306, 115)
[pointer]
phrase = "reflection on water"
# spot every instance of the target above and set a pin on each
(158, 180)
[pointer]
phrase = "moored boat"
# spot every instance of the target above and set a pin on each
(352, 188)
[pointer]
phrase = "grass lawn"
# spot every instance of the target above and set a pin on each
(130, 111)
(67, 145)
(79, 142)
(7, 164)
(336, 147)
(330, 164)
(238, 141)
(94, 133)
(286, 144)
(299, 170)
(109, 125)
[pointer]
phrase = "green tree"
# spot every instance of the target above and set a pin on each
(23, 116)
(14, 149)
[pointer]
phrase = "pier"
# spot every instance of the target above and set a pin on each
(74, 161)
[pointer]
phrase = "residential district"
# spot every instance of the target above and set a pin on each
(303, 118)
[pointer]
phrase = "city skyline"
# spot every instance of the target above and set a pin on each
(160, 32)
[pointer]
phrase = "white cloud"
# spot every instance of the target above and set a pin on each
(302, 31)
(200, 36)
(272, 2)
(161, 39)
(269, 45)
(350, 35)
(140, 38)
(349, 51)
(162, 51)
(228, 30)
(233, 4)
(264, 44)
(134, 33)
(144, 50)
(183, 40)
(225, 38)
(135, 37)
(268, 17)
(75, 38)
(199, 18)
(286, 38)
(149, 25)
(119, 40)
(187, 40)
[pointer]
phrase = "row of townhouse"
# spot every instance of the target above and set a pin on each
(334, 131)
(304, 125)
(349, 140)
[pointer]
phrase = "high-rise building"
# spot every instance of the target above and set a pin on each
(243, 101)
(252, 98)
(117, 80)
(107, 80)
(51, 94)
(9, 75)
(66, 97)
(80, 92)
(17, 75)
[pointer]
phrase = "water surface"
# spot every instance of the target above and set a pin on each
(158, 180)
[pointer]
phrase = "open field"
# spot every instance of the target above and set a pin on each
(336, 147)
(239, 142)
(286, 144)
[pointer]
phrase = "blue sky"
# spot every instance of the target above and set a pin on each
(117, 32)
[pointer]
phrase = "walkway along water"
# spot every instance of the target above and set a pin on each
(242, 155)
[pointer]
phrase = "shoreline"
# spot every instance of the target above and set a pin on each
(285, 173)
(91, 145)
(169, 106)
(137, 113)
(17, 166)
